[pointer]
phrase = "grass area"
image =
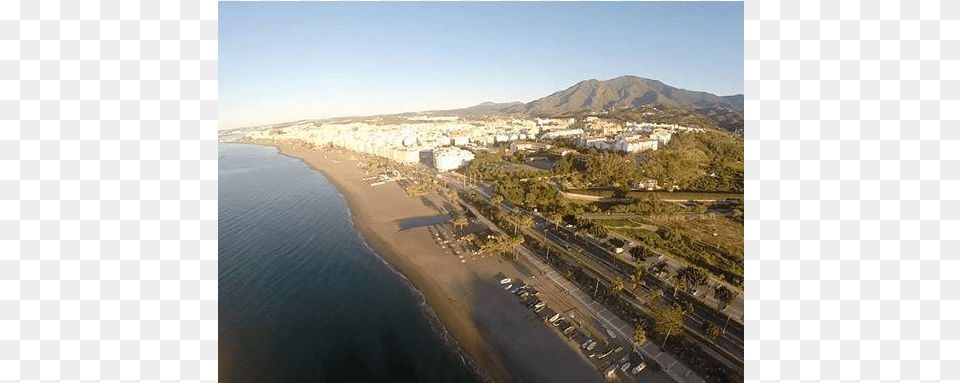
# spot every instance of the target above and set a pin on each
(615, 222)
(606, 193)
(718, 260)
(729, 233)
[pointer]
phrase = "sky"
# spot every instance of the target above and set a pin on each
(285, 61)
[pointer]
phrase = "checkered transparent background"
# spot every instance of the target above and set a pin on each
(852, 191)
(108, 190)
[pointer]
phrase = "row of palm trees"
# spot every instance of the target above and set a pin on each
(501, 245)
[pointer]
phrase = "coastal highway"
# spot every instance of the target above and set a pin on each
(608, 320)
(731, 347)
(731, 342)
(600, 260)
(563, 294)
(733, 321)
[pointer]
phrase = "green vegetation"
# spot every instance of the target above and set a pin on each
(717, 260)
(530, 194)
(661, 195)
(711, 330)
(669, 319)
(639, 336)
(724, 296)
(709, 161)
(616, 286)
(664, 114)
(460, 221)
(500, 245)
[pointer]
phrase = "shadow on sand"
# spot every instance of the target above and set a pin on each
(414, 222)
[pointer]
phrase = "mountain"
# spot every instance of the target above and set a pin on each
(487, 108)
(625, 91)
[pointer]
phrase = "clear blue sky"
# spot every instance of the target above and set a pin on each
(292, 60)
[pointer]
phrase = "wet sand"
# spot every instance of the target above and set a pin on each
(502, 341)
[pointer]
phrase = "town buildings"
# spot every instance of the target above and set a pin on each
(450, 158)
(442, 141)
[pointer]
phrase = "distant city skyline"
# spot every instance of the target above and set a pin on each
(288, 61)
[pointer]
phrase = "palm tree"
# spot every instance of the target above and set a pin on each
(555, 218)
(513, 243)
(496, 200)
(639, 336)
(711, 330)
(520, 221)
(669, 320)
(641, 269)
(637, 277)
(724, 296)
(472, 238)
(616, 286)
(460, 221)
(453, 196)
(526, 221)
(678, 277)
(693, 275)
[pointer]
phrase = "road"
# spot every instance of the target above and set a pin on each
(734, 309)
(731, 342)
(603, 263)
(677, 370)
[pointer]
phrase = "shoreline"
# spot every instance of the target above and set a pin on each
(496, 339)
(388, 256)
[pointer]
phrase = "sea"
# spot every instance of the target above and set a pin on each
(302, 297)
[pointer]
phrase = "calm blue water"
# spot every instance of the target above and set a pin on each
(302, 298)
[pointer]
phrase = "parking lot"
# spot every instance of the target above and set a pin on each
(613, 356)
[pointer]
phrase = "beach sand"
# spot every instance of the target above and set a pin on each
(502, 340)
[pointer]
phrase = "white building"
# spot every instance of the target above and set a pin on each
(527, 145)
(406, 155)
(600, 143)
(661, 135)
(450, 158)
(635, 144)
(563, 133)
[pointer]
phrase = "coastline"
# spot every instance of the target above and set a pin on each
(463, 300)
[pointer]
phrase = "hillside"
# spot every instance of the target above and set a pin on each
(625, 91)
(485, 109)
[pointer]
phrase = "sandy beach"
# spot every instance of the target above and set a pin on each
(501, 339)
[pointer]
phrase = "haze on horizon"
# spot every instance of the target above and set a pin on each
(302, 60)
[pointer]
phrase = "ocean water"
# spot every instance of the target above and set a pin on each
(302, 298)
